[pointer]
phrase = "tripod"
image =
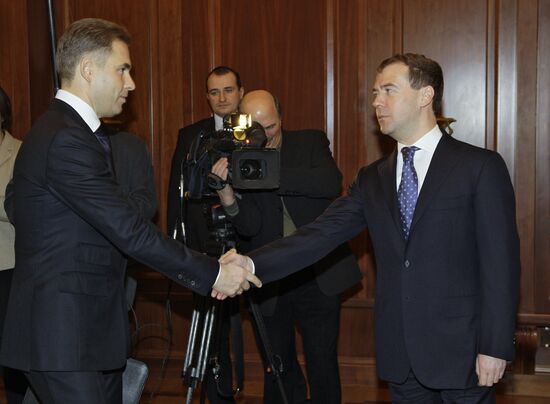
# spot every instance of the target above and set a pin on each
(205, 322)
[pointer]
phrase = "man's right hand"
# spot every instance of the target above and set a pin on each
(233, 279)
(221, 169)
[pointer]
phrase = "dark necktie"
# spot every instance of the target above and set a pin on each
(103, 138)
(408, 189)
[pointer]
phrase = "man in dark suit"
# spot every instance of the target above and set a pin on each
(187, 216)
(134, 172)
(309, 181)
(66, 324)
(441, 216)
(224, 91)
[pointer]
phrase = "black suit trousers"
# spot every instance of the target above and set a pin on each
(77, 387)
(301, 302)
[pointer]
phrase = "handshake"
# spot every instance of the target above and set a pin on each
(236, 274)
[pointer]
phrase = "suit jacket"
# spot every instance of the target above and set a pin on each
(191, 212)
(8, 150)
(67, 309)
(450, 291)
(309, 181)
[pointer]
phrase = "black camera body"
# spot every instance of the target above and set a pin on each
(241, 141)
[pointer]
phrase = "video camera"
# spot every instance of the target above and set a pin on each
(242, 141)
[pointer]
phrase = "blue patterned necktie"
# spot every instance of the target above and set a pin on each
(408, 189)
(103, 139)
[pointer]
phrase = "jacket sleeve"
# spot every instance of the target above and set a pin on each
(77, 173)
(498, 245)
(341, 221)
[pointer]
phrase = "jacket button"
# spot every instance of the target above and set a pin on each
(407, 264)
(180, 276)
(192, 283)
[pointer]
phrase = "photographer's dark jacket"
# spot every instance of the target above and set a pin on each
(310, 180)
(191, 211)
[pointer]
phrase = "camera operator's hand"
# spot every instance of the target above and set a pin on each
(226, 194)
(235, 276)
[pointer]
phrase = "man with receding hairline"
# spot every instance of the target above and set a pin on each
(67, 320)
(310, 179)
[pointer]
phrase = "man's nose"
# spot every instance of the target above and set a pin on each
(222, 96)
(377, 102)
(129, 83)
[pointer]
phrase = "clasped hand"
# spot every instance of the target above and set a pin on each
(235, 276)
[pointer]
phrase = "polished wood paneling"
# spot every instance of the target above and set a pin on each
(542, 157)
(320, 58)
(14, 64)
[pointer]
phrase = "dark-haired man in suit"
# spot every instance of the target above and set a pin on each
(224, 91)
(67, 322)
(441, 216)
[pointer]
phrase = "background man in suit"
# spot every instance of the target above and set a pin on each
(309, 181)
(134, 172)
(441, 216)
(224, 91)
(67, 322)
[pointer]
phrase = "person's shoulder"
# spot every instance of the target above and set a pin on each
(11, 141)
(471, 150)
(304, 135)
(205, 125)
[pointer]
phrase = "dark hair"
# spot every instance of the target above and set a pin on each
(85, 36)
(5, 111)
(422, 72)
(220, 71)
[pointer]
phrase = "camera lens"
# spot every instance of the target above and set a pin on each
(251, 169)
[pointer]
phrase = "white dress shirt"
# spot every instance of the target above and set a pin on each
(82, 107)
(422, 158)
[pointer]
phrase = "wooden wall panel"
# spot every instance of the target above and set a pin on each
(14, 64)
(320, 58)
(525, 174)
(457, 40)
(542, 156)
(279, 46)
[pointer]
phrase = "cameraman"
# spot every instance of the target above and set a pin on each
(223, 92)
(309, 180)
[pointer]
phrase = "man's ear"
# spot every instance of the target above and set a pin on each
(85, 68)
(426, 95)
(241, 93)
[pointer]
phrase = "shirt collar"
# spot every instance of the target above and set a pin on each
(428, 142)
(83, 109)
(218, 122)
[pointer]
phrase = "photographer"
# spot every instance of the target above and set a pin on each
(309, 180)
(223, 92)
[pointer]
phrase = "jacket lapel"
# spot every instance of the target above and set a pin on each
(443, 161)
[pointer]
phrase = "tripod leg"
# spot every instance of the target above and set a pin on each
(270, 357)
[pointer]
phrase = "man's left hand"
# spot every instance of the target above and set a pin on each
(489, 370)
